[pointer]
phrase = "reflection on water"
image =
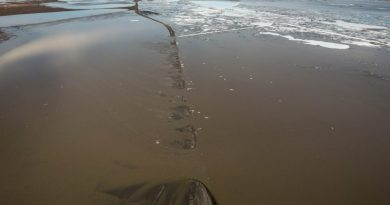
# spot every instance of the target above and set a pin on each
(65, 44)
(87, 109)
(26, 20)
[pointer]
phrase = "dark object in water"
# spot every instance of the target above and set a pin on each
(182, 192)
(4, 36)
(149, 13)
(189, 137)
(180, 112)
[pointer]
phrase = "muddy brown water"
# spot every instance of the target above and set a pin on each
(93, 105)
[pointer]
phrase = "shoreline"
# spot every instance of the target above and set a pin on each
(15, 8)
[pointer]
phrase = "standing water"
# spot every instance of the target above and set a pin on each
(197, 102)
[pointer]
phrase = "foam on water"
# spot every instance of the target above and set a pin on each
(356, 26)
(310, 42)
(310, 26)
(331, 24)
(217, 4)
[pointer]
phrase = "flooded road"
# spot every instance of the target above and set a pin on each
(100, 105)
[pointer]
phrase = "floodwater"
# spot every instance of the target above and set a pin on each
(100, 102)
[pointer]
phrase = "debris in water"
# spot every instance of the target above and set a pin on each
(157, 142)
(231, 89)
